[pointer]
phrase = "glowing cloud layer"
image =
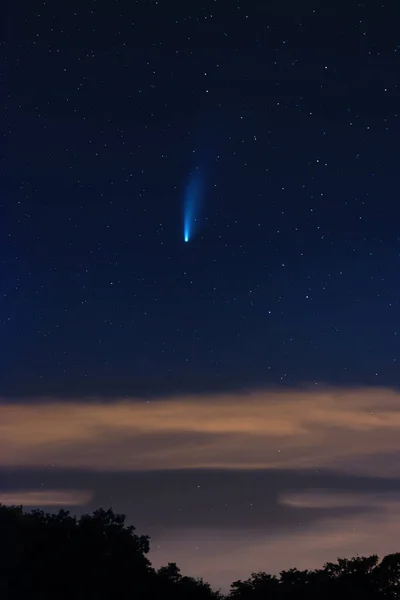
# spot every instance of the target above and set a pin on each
(46, 497)
(352, 430)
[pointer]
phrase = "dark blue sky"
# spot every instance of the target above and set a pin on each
(293, 274)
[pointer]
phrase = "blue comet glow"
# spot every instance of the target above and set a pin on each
(192, 203)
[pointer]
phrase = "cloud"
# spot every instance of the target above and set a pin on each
(39, 498)
(329, 499)
(222, 556)
(350, 429)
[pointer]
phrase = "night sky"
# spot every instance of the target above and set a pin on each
(199, 293)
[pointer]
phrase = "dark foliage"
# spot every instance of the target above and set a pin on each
(58, 556)
(358, 578)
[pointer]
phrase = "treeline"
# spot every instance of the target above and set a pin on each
(59, 556)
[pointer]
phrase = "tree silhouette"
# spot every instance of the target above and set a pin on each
(173, 584)
(58, 556)
(258, 586)
(387, 576)
(357, 578)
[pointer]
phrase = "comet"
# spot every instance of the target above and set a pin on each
(192, 204)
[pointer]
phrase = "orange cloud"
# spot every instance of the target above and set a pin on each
(46, 497)
(322, 498)
(349, 429)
